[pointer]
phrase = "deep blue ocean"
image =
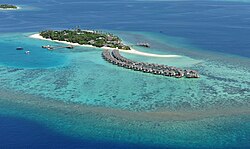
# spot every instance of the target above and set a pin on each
(219, 22)
(20, 133)
(220, 26)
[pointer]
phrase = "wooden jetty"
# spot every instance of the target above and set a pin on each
(49, 47)
(115, 58)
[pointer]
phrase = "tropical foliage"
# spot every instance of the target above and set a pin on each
(7, 6)
(94, 38)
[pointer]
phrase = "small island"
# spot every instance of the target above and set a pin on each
(7, 6)
(112, 45)
(86, 37)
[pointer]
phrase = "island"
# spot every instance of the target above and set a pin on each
(7, 6)
(112, 44)
(86, 37)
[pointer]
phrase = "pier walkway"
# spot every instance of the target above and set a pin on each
(114, 57)
(49, 47)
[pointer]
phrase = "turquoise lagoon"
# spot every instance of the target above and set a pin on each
(38, 58)
(77, 93)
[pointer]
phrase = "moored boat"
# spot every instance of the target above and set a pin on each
(19, 48)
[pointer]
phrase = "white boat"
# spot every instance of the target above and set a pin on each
(27, 52)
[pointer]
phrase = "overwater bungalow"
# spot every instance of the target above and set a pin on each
(115, 58)
(143, 44)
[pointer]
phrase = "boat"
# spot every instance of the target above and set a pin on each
(27, 52)
(19, 48)
(49, 47)
(70, 47)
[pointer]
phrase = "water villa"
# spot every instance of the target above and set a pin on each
(115, 58)
(142, 44)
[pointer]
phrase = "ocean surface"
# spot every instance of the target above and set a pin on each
(72, 98)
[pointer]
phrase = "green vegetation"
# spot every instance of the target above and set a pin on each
(7, 6)
(94, 38)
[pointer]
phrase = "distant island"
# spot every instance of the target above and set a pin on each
(7, 6)
(86, 37)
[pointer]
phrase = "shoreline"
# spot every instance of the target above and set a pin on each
(132, 51)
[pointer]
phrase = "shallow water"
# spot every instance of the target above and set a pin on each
(78, 94)
(88, 79)
(17, 58)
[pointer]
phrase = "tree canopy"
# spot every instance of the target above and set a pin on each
(94, 38)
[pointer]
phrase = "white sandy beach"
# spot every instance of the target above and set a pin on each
(132, 51)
